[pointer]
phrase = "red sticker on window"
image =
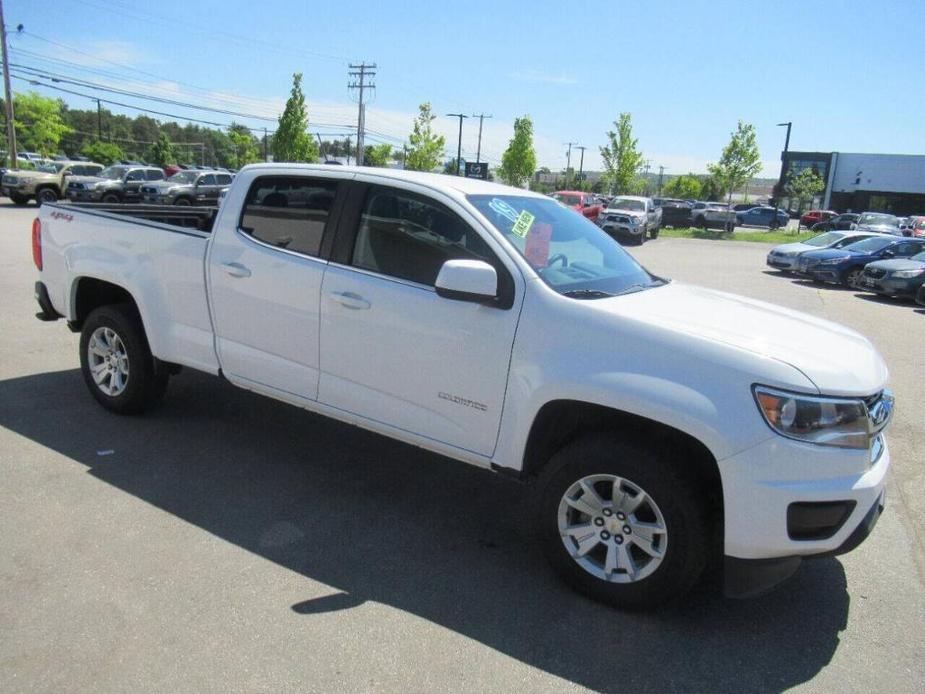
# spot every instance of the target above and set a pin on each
(536, 249)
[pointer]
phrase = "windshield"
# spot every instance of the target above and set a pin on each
(625, 204)
(113, 172)
(184, 177)
(871, 245)
(570, 253)
(823, 239)
(570, 200)
(919, 257)
(49, 168)
(869, 218)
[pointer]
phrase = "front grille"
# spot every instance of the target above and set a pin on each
(10, 180)
(619, 219)
(874, 272)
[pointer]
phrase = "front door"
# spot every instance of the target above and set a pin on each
(265, 278)
(396, 353)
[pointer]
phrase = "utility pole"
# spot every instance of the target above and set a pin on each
(99, 121)
(361, 71)
(347, 140)
(568, 161)
(478, 151)
(266, 154)
(645, 176)
(581, 165)
(661, 173)
(10, 126)
(783, 164)
(459, 141)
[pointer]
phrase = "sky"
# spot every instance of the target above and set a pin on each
(847, 73)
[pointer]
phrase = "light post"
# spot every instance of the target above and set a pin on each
(783, 163)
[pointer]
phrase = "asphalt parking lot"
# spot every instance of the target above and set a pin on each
(226, 542)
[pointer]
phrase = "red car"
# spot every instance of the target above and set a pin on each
(583, 203)
(917, 227)
(814, 216)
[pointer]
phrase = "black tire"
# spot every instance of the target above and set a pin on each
(144, 385)
(654, 233)
(701, 222)
(641, 239)
(688, 546)
(730, 227)
(111, 199)
(182, 202)
(19, 199)
(46, 195)
(920, 296)
(850, 276)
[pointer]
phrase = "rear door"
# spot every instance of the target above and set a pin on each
(392, 350)
(265, 272)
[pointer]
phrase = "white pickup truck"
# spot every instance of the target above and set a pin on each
(667, 428)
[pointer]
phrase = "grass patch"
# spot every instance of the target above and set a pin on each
(751, 236)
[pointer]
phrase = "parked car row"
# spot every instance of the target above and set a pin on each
(826, 220)
(878, 262)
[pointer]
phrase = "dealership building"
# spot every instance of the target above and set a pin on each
(893, 183)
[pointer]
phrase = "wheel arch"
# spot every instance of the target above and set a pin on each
(89, 293)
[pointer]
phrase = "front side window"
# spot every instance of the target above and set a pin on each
(406, 236)
(113, 173)
(289, 212)
(571, 254)
(183, 177)
(135, 176)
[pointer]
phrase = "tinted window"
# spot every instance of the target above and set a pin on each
(154, 175)
(92, 170)
(207, 180)
(223, 179)
(289, 212)
(135, 176)
(405, 236)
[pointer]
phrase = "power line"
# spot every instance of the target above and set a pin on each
(361, 71)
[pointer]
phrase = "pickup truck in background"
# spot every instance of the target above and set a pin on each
(46, 183)
(585, 204)
(631, 218)
(666, 429)
(115, 184)
(187, 188)
(713, 215)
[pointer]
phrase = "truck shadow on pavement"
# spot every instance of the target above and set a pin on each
(386, 522)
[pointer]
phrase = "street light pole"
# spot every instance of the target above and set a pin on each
(8, 92)
(478, 151)
(459, 141)
(568, 161)
(661, 173)
(581, 165)
(783, 162)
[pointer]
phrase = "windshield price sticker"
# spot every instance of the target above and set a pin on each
(522, 226)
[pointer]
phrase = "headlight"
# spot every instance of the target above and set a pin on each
(830, 261)
(906, 274)
(840, 422)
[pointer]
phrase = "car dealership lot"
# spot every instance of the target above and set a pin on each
(226, 542)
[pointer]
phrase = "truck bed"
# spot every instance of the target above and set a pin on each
(189, 217)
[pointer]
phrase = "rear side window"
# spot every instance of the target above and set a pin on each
(154, 175)
(289, 212)
(207, 180)
(405, 236)
(223, 179)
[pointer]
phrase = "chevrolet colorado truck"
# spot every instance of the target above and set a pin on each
(667, 430)
(631, 218)
(47, 182)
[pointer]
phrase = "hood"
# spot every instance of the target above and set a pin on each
(826, 253)
(30, 175)
(628, 213)
(897, 264)
(794, 248)
(837, 360)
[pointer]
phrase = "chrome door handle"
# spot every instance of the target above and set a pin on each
(236, 270)
(350, 300)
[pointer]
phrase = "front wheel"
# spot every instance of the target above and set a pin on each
(116, 362)
(111, 199)
(46, 195)
(654, 233)
(620, 525)
(851, 276)
(19, 199)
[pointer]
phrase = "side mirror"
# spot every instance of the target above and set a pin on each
(467, 280)
(887, 253)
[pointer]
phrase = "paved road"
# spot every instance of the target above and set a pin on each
(229, 543)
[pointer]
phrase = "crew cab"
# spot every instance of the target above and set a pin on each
(713, 215)
(666, 429)
(586, 204)
(45, 183)
(631, 218)
(114, 184)
(187, 188)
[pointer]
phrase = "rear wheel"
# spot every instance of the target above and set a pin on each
(116, 362)
(620, 525)
(19, 199)
(654, 233)
(182, 202)
(111, 199)
(730, 227)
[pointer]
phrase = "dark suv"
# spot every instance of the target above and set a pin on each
(187, 188)
(118, 183)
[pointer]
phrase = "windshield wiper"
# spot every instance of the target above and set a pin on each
(586, 294)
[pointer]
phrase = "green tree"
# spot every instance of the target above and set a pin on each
(243, 146)
(162, 152)
(39, 123)
(292, 141)
(518, 163)
(377, 155)
(425, 147)
(102, 152)
(740, 159)
(711, 188)
(804, 185)
(622, 159)
(684, 187)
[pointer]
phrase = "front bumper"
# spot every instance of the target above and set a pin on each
(891, 286)
(83, 195)
(613, 228)
(821, 273)
(779, 262)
